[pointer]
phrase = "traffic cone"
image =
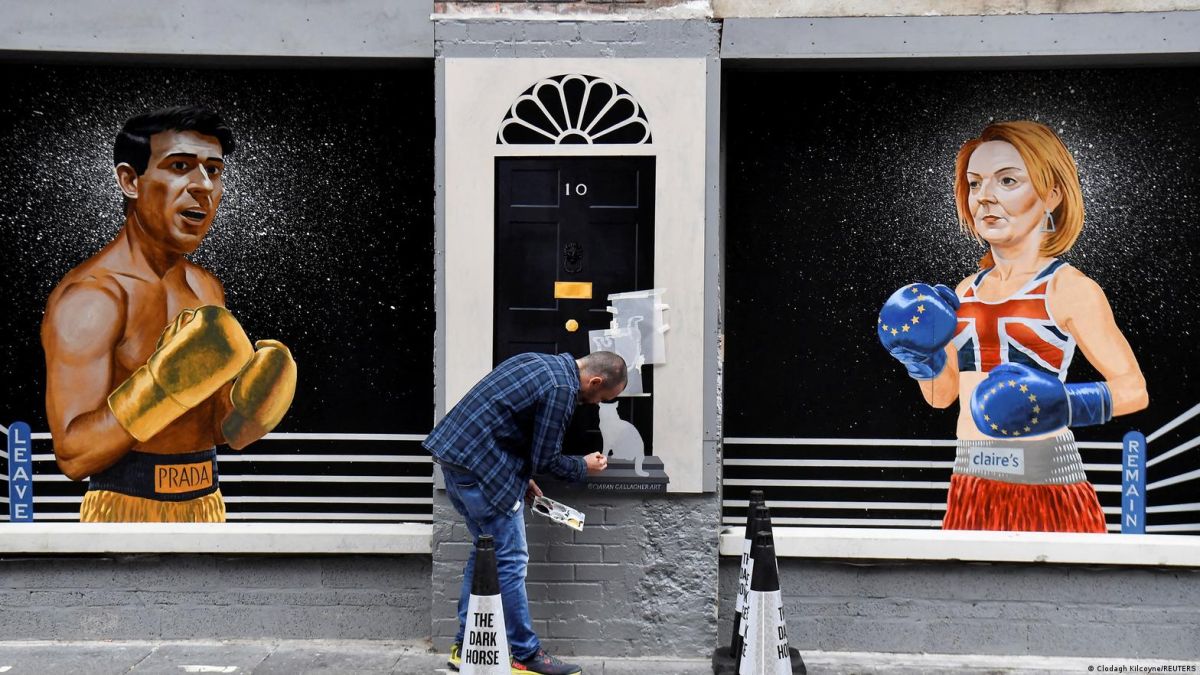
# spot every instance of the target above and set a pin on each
(765, 650)
(485, 640)
(725, 658)
(762, 523)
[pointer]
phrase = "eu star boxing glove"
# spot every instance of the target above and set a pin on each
(1016, 400)
(915, 325)
(261, 395)
(196, 355)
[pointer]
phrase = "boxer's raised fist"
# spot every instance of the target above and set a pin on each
(261, 395)
(1015, 400)
(915, 325)
(197, 354)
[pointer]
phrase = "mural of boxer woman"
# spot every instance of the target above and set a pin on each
(1001, 342)
(146, 371)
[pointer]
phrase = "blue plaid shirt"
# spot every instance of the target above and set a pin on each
(510, 426)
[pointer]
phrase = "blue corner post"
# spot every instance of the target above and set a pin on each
(1133, 483)
(20, 473)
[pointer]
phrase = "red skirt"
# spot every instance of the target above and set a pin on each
(982, 504)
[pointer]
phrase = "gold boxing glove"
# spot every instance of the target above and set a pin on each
(197, 354)
(261, 395)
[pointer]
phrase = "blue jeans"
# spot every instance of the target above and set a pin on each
(512, 559)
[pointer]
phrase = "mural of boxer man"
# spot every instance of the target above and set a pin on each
(1001, 342)
(146, 371)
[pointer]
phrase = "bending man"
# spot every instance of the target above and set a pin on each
(509, 426)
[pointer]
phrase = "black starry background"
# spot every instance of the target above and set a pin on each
(324, 238)
(840, 190)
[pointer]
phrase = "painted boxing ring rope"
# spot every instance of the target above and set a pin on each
(236, 467)
(1104, 475)
(805, 474)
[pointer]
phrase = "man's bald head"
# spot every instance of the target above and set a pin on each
(602, 376)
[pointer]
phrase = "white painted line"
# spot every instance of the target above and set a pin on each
(879, 506)
(1186, 527)
(320, 500)
(776, 506)
(225, 458)
(848, 522)
(1102, 467)
(1174, 508)
(868, 463)
(912, 484)
(254, 478)
(231, 537)
(971, 545)
(326, 516)
(331, 516)
(894, 484)
(735, 440)
(888, 442)
(1174, 451)
(5, 669)
(209, 669)
(1189, 414)
(892, 506)
(1181, 478)
(874, 463)
(295, 436)
(250, 478)
(419, 459)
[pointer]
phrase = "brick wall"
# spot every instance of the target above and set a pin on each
(212, 597)
(576, 7)
(640, 580)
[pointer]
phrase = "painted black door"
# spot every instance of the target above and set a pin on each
(579, 220)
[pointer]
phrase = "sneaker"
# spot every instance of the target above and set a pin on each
(544, 664)
(455, 659)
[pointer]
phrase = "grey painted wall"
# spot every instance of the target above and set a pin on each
(639, 580)
(813, 8)
(982, 608)
(291, 28)
(1050, 39)
(206, 596)
(576, 39)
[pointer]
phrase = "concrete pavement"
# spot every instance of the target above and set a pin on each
(297, 657)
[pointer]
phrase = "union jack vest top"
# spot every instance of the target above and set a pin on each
(1018, 329)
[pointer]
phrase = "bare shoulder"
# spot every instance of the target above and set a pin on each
(1071, 282)
(84, 311)
(1071, 292)
(204, 283)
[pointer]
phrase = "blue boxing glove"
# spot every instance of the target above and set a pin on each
(1016, 400)
(915, 325)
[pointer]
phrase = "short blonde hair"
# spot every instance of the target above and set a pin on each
(1050, 166)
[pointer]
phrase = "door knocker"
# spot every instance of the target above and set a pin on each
(572, 258)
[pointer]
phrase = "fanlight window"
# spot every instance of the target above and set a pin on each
(574, 109)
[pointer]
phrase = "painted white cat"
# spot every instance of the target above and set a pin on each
(621, 439)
